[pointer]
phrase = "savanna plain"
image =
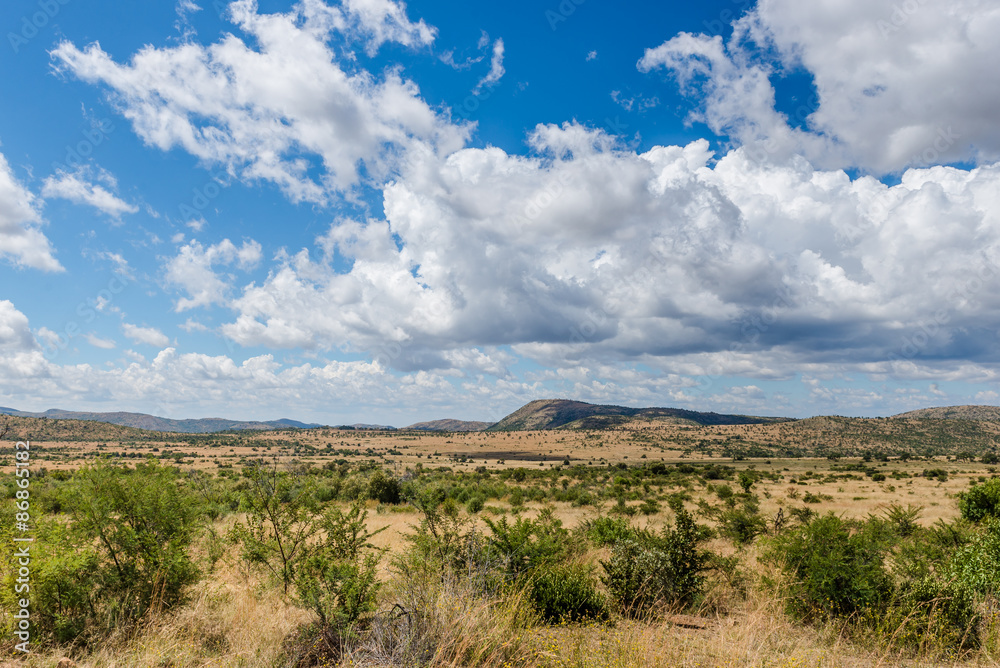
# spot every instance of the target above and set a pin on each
(823, 542)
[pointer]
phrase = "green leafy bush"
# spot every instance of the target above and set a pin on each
(63, 584)
(527, 544)
(566, 593)
(975, 566)
(836, 572)
(604, 530)
(280, 520)
(383, 488)
(903, 520)
(143, 522)
(981, 501)
(741, 525)
(929, 615)
(338, 579)
(647, 569)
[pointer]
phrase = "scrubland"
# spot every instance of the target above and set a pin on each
(835, 543)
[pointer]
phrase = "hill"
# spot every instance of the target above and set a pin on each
(44, 429)
(153, 423)
(450, 425)
(546, 414)
(980, 413)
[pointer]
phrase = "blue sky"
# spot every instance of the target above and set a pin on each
(370, 211)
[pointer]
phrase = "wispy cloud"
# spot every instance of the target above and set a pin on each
(77, 187)
(496, 67)
(150, 336)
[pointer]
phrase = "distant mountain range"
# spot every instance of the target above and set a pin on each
(153, 423)
(980, 413)
(565, 414)
(450, 425)
(543, 414)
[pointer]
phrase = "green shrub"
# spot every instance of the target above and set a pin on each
(338, 579)
(649, 569)
(383, 488)
(63, 584)
(929, 615)
(903, 520)
(280, 520)
(981, 501)
(649, 507)
(528, 544)
(741, 525)
(143, 522)
(975, 566)
(604, 530)
(475, 504)
(566, 593)
(836, 572)
(440, 540)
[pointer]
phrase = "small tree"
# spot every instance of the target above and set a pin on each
(338, 579)
(280, 521)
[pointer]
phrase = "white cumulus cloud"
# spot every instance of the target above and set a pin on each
(898, 84)
(192, 270)
(273, 106)
(21, 240)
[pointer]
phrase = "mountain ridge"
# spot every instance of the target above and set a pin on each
(169, 425)
(450, 424)
(546, 414)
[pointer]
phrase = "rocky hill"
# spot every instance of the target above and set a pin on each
(980, 413)
(564, 414)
